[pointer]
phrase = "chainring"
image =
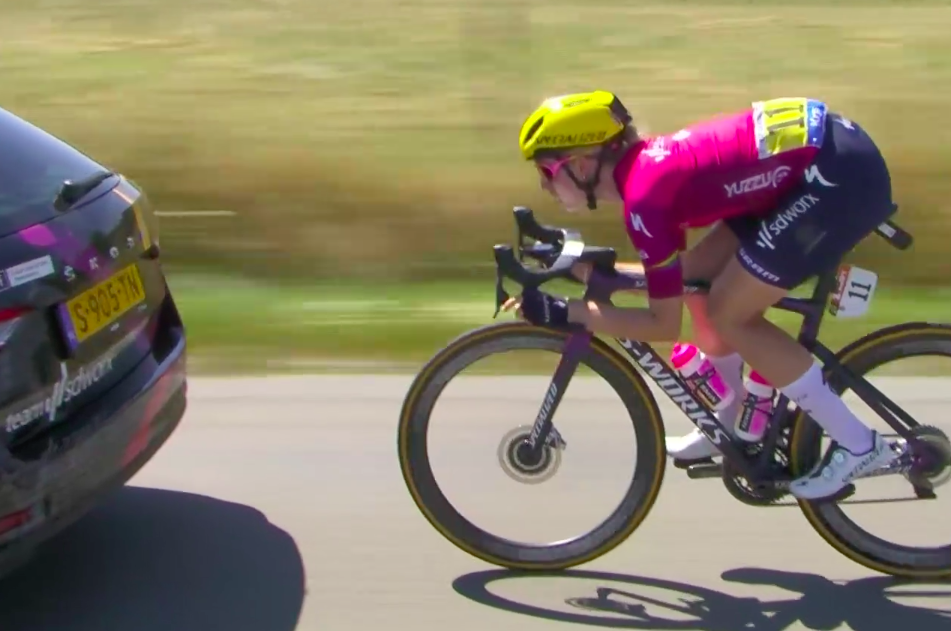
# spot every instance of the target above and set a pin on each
(740, 487)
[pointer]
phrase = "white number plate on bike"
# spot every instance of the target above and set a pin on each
(854, 292)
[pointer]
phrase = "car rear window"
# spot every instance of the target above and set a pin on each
(33, 166)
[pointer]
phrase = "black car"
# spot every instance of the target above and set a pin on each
(92, 346)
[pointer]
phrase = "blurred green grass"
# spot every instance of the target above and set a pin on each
(374, 142)
(238, 326)
(377, 138)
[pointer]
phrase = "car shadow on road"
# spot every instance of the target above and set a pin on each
(623, 601)
(154, 560)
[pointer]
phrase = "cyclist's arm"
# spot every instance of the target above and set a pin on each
(633, 268)
(662, 320)
(581, 271)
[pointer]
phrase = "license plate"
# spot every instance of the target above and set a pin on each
(101, 305)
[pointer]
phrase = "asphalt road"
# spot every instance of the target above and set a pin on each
(278, 505)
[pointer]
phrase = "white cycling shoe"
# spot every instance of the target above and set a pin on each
(693, 446)
(836, 470)
(839, 467)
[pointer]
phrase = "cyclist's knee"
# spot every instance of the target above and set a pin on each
(697, 305)
(730, 322)
(721, 315)
(703, 331)
(730, 308)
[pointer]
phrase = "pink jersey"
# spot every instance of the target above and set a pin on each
(719, 168)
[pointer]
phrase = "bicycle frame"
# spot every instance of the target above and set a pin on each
(756, 469)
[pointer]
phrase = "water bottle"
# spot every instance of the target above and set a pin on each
(757, 409)
(701, 376)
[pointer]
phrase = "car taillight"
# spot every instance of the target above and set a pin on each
(9, 317)
(15, 520)
(12, 313)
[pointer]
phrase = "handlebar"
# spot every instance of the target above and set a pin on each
(557, 249)
(528, 226)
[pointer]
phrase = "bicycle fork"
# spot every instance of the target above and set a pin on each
(543, 430)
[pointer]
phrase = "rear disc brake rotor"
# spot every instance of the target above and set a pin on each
(931, 465)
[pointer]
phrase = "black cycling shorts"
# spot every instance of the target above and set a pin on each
(842, 197)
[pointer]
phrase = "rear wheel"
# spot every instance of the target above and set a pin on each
(931, 468)
(641, 490)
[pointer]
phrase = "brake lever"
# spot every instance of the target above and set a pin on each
(520, 240)
(528, 225)
(501, 296)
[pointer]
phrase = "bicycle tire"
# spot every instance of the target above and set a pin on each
(603, 360)
(913, 339)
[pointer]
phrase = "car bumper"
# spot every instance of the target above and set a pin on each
(94, 456)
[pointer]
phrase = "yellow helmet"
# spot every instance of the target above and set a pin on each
(573, 120)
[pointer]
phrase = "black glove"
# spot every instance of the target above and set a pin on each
(542, 309)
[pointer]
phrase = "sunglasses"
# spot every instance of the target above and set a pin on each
(550, 169)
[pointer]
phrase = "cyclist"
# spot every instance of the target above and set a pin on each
(788, 188)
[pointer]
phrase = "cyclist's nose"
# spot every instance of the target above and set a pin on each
(546, 184)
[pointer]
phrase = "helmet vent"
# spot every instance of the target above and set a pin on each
(620, 112)
(534, 129)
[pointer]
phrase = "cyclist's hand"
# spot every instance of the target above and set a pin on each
(582, 271)
(544, 309)
(514, 303)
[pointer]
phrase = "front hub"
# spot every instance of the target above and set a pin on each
(519, 463)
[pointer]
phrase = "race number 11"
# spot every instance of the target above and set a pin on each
(852, 297)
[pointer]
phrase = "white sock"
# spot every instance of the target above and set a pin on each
(730, 368)
(813, 395)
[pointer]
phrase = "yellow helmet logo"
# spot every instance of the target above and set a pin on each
(573, 120)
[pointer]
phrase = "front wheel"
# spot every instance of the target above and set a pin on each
(640, 405)
(878, 349)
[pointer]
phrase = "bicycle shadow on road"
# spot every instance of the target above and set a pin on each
(158, 560)
(816, 603)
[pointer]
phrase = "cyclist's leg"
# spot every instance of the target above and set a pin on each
(845, 195)
(705, 261)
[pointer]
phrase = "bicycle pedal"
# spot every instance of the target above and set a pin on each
(702, 471)
(686, 464)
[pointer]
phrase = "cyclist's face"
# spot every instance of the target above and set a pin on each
(555, 179)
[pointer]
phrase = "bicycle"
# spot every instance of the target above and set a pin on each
(756, 474)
